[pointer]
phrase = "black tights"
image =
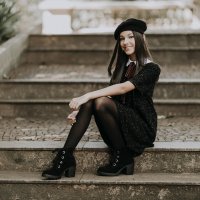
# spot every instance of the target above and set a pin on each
(107, 120)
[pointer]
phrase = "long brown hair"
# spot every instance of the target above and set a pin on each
(142, 53)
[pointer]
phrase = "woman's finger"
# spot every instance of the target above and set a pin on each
(73, 104)
(71, 122)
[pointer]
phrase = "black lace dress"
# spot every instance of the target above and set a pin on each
(138, 118)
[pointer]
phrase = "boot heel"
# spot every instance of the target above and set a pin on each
(129, 169)
(70, 172)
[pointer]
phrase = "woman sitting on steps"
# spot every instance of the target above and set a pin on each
(124, 111)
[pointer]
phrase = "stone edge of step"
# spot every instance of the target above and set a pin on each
(66, 101)
(149, 33)
(58, 81)
(85, 50)
(13, 177)
(94, 145)
(101, 80)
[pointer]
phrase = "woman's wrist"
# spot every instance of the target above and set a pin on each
(88, 96)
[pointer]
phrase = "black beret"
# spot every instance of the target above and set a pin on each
(131, 24)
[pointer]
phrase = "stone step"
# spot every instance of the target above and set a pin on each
(55, 108)
(27, 143)
(164, 157)
(59, 72)
(103, 41)
(59, 107)
(170, 129)
(87, 186)
(165, 57)
(77, 48)
(60, 89)
(70, 72)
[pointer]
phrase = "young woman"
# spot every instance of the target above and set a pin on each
(124, 111)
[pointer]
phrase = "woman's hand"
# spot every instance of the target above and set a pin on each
(72, 117)
(75, 103)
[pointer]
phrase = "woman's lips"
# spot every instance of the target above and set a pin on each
(127, 48)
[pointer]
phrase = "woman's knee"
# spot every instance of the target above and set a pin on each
(88, 105)
(100, 104)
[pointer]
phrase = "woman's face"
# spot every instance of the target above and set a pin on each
(127, 43)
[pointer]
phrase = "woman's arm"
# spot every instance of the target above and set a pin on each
(112, 90)
(117, 89)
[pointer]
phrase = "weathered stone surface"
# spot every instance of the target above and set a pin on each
(67, 57)
(107, 42)
(170, 129)
(167, 49)
(59, 108)
(182, 158)
(163, 57)
(139, 186)
(11, 51)
(177, 107)
(83, 71)
(41, 89)
(72, 42)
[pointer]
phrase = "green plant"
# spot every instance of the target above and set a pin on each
(8, 17)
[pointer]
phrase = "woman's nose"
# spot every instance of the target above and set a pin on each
(126, 41)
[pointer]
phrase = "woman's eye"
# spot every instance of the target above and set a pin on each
(121, 39)
(131, 36)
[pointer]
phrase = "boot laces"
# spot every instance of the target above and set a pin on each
(114, 159)
(59, 159)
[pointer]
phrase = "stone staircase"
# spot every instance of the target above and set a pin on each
(33, 104)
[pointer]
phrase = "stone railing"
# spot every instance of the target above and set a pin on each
(88, 16)
(30, 14)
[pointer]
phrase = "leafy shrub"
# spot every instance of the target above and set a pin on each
(8, 17)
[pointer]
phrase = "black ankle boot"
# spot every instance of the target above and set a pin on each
(121, 162)
(63, 163)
